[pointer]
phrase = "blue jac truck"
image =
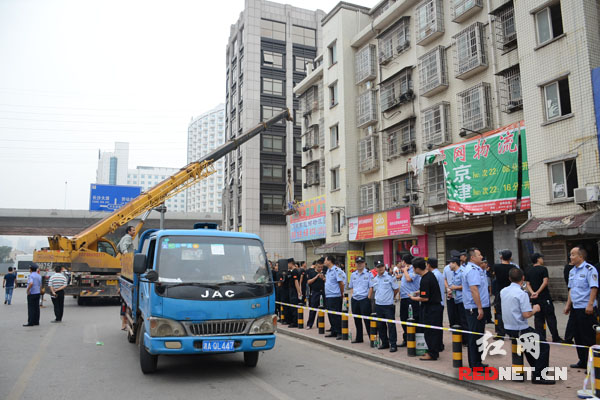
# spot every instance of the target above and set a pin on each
(198, 291)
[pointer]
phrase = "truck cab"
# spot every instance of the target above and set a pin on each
(22, 264)
(199, 291)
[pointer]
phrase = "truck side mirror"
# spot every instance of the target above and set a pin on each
(151, 275)
(139, 263)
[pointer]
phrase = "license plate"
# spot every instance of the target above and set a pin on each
(217, 345)
(113, 282)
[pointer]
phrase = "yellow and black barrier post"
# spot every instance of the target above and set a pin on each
(596, 357)
(373, 331)
(321, 321)
(344, 326)
(457, 353)
(281, 315)
(517, 357)
(597, 330)
(411, 339)
(495, 320)
(300, 318)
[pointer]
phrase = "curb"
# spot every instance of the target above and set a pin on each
(447, 378)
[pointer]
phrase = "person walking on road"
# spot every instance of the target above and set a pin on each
(34, 286)
(537, 286)
(57, 284)
(384, 288)
(360, 281)
(334, 290)
(8, 283)
(126, 243)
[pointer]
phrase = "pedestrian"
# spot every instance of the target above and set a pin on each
(501, 273)
(458, 271)
(295, 291)
(516, 309)
(34, 286)
(537, 286)
(432, 265)
(430, 297)
(581, 303)
(8, 283)
(57, 284)
(360, 282)
(475, 299)
(384, 288)
(334, 292)
(126, 243)
(316, 284)
(408, 285)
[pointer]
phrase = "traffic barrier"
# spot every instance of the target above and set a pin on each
(517, 357)
(301, 318)
(282, 315)
(344, 326)
(457, 353)
(596, 355)
(373, 331)
(597, 330)
(321, 321)
(411, 339)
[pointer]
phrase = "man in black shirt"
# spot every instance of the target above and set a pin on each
(502, 281)
(537, 286)
(295, 291)
(430, 298)
(316, 284)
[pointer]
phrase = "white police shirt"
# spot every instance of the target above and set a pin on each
(581, 280)
(384, 286)
(359, 283)
(514, 303)
(333, 276)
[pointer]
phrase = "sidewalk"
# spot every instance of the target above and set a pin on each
(560, 356)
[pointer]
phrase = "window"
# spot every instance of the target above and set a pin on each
(334, 136)
(335, 178)
(271, 202)
(269, 112)
(312, 173)
(510, 90)
(272, 30)
(333, 94)
(436, 124)
(366, 109)
(311, 137)
(332, 50)
(272, 86)
(272, 59)
(399, 190)
(272, 143)
(400, 139)
(304, 36)
(429, 21)
(549, 23)
(365, 68)
(474, 108)
(335, 218)
(557, 99)
(436, 190)
(300, 63)
(563, 177)
(432, 72)
(297, 175)
(309, 101)
(369, 198)
(272, 173)
(470, 51)
(506, 33)
(394, 41)
(367, 154)
(297, 145)
(463, 9)
(396, 90)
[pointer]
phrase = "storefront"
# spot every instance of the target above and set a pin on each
(307, 226)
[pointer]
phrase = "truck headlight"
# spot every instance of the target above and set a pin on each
(263, 326)
(162, 327)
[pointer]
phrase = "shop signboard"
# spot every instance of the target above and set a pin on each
(380, 225)
(351, 256)
(308, 223)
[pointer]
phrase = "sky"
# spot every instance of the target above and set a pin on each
(78, 75)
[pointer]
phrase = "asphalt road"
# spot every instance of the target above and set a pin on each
(88, 357)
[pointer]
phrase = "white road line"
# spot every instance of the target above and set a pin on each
(21, 383)
(266, 386)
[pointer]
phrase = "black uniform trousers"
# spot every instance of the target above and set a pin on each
(314, 301)
(544, 356)
(433, 314)
(59, 304)
(334, 304)
(498, 306)
(462, 317)
(33, 309)
(583, 331)
(474, 325)
(547, 315)
(278, 299)
(361, 307)
(285, 298)
(452, 309)
(387, 312)
(404, 303)
(293, 295)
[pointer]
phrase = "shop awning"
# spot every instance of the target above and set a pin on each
(569, 225)
(336, 248)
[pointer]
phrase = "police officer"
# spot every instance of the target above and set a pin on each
(408, 285)
(334, 290)
(501, 274)
(581, 303)
(316, 284)
(359, 283)
(384, 288)
(457, 294)
(475, 298)
(451, 307)
(295, 291)
(284, 292)
(515, 311)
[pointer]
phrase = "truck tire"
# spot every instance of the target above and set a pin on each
(250, 358)
(80, 301)
(148, 361)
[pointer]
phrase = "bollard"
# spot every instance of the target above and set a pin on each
(411, 339)
(596, 357)
(282, 316)
(373, 331)
(495, 320)
(344, 326)
(300, 318)
(457, 347)
(517, 359)
(321, 321)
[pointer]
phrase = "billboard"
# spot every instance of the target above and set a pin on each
(309, 222)
(111, 197)
(378, 225)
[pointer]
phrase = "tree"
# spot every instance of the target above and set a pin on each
(5, 253)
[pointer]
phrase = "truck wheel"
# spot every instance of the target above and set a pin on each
(251, 358)
(80, 301)
(148, 362)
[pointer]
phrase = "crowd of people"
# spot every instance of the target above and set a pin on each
(465, 288)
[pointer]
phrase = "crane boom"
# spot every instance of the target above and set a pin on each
(184, 178)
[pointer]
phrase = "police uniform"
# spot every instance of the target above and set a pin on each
(285, 295)
(433, 313)
(514, 303)
(582, 279)
(451, 308)
(406, 288)
(294, 276)
(457, 295)
(333, 298)
(384, 287)
(316, 290)
(360, 283)
(475, 276)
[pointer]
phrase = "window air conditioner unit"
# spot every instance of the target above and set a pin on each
(587, 194)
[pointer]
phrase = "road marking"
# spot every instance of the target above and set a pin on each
(266, 386)
(19, 387)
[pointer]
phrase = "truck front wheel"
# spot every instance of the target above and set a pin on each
(251, 358)
(148, 361)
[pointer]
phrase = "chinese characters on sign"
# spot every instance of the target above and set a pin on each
(111, 197)
(383, 224)
(529, 342)
(309, 222)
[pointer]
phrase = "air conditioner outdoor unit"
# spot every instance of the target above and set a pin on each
(587, 194)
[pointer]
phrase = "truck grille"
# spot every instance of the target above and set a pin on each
(217, 328)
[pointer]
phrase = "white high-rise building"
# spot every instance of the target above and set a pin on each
(112, 165)
(147, 177)
(206, 133)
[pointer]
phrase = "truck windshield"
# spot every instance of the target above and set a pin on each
(192, 259)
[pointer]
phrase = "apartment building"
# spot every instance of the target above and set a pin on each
(147, 177)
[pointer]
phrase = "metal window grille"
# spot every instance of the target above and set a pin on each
(366, 109)
(432, 71)
(396, 91)
(396, 189)
(395, 41)
(461, 7)
(311, 136)
(474, 108)
(312, 173)
(400, 140)
(436, 189)
(368, 155)
(436, 124)
(322, 172)
(365, 64)
(511, 98)
(470, 51)
(369, 198)
(429, 19)
(506, 32)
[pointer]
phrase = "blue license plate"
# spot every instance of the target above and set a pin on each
(217, 345)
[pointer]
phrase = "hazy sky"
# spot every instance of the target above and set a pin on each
(78, 75)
